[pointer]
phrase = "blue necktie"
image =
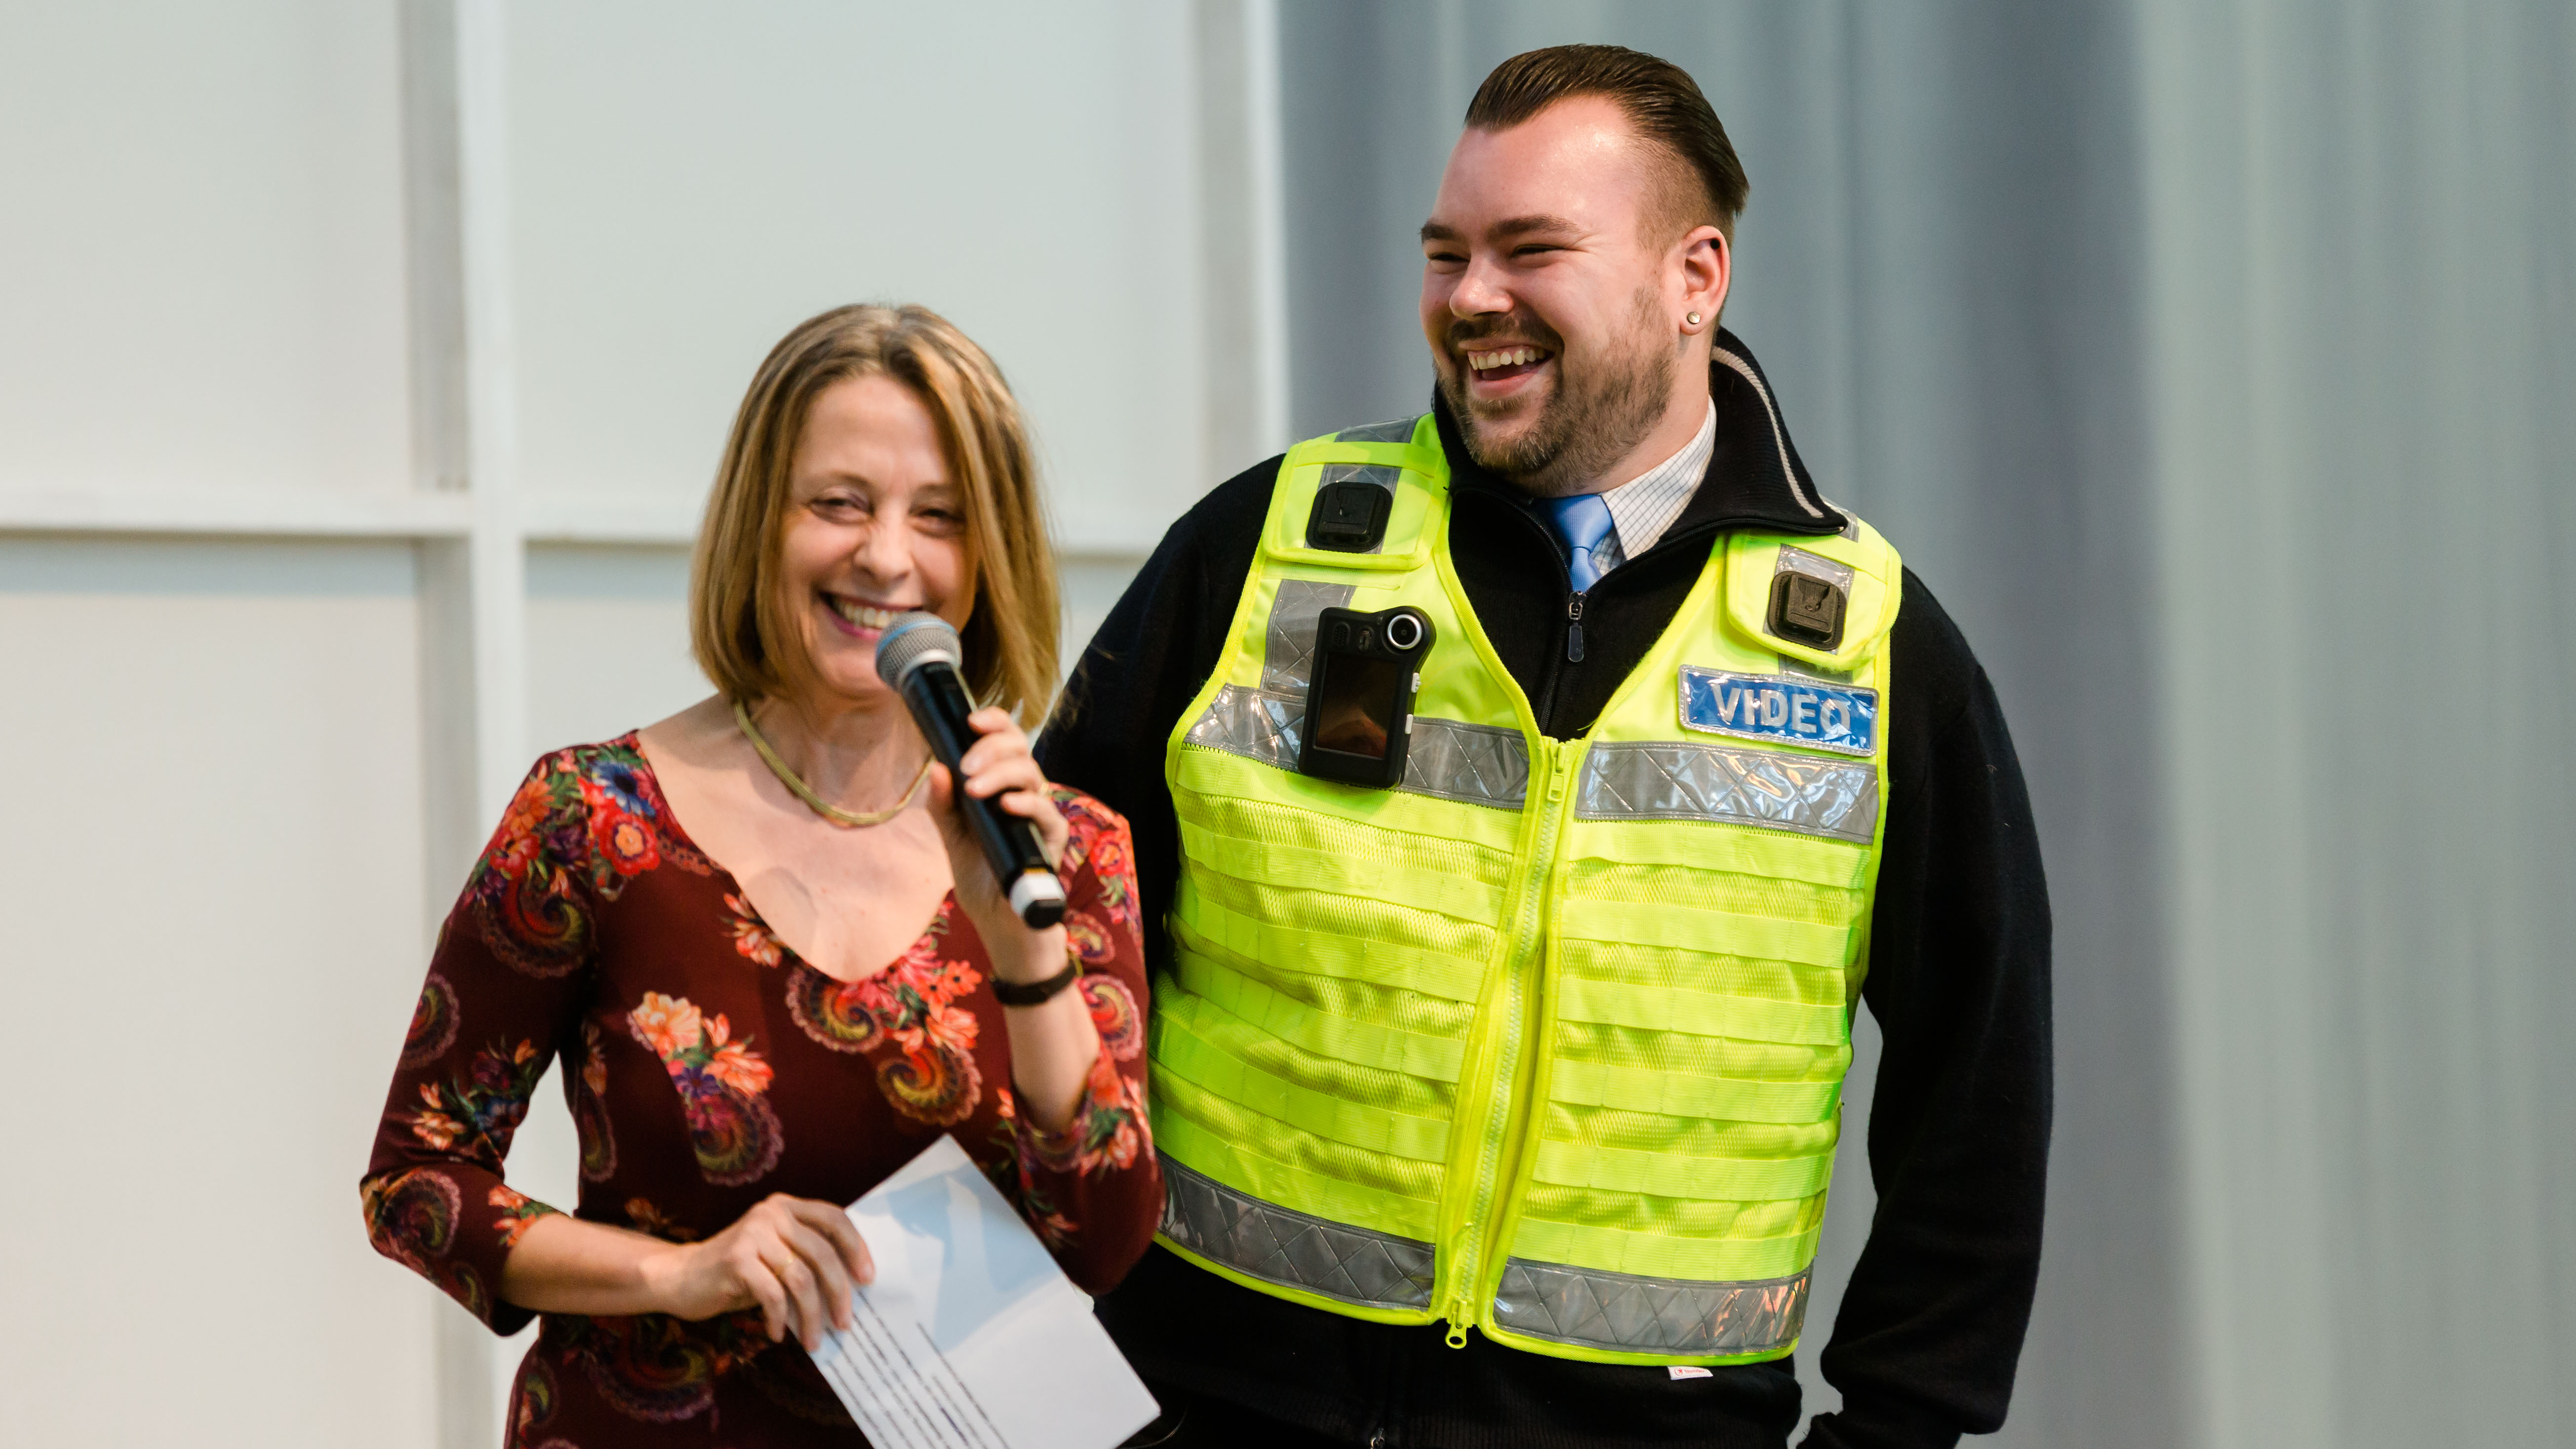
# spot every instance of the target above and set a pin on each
(1580, 523)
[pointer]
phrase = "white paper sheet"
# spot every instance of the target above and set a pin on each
(971, 1337)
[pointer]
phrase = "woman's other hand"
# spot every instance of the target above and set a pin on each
(1000, 767)
(796, 1258)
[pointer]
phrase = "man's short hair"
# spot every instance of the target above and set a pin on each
(1660, 100)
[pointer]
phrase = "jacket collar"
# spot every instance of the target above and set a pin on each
(1755, 479)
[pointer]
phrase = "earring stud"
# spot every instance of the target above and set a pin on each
(1694, 319)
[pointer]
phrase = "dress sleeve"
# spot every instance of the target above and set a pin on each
(1093, 1191)
(505, 984)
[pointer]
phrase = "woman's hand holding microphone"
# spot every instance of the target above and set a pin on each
(1000, 767)
(1053, 1042)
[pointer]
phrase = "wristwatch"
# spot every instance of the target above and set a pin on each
(1036, 993)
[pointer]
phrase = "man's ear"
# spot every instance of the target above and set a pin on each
(1708, 270)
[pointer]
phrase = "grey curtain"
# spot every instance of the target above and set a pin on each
(2215, 364)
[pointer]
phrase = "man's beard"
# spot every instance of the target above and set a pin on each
(1602, 407)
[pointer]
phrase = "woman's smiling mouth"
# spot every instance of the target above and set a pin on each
(861, 616)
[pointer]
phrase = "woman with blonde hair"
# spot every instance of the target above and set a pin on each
(755, 1024)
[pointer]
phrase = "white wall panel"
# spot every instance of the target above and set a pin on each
(608, 642)
(689, 182)
(201, 246)
(2363, 296)
(211, 947)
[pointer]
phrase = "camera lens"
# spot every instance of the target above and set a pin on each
(1404, 631)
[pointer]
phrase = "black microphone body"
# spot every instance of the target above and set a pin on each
(911, 657)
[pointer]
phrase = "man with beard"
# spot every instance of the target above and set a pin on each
(1497, 1079)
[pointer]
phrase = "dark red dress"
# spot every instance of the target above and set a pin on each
(707, 1066)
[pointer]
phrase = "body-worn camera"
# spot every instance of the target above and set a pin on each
(1359, 700)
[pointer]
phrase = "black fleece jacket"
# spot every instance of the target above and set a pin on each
(1932, 1323)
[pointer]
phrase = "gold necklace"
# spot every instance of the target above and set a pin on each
(820, 806)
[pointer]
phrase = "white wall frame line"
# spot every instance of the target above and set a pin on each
(1266, 165)
(317, 513)
(497, 550)
(473, 592)
(606, 520)
(1243, 266)
(263, 512)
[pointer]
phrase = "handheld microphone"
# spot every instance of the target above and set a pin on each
(918, 656)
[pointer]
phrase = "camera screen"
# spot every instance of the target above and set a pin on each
(1355, 709)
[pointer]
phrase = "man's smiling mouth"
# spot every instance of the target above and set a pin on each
(1503, 363)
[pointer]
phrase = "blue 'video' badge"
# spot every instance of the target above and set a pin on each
(1780, 707)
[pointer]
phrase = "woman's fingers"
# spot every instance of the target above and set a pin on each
(799, 1260)
(817, 1258)
(1011, 772)
(1039, 809)
(1008, 772)
(804, 1291)
(995, 738)
(831, 1275)
(999, 767)
(762, 1284)
(1003, 745)
(836, 1226)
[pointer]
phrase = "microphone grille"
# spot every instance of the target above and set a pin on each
(913, 640)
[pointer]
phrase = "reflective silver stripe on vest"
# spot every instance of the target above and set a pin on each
(1288, 650)
(1815, 566)
(1280, 1245)
(1653, 780)
(1851, 520)
(1804, 670)
(1446, 758)
(1477, 764)
(1679, 1316)
(1388, 478)
(1258, 724)
(1393, 430)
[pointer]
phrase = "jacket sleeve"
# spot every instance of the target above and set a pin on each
(1932, 1323)
(1140, 671)
(505, 983)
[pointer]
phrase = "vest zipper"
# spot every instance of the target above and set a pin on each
(1574, 628)
(1507, 1109)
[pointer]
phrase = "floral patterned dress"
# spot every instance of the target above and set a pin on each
(707, 1066)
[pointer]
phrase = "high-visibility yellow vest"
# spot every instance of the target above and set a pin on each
(1549, 1039)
